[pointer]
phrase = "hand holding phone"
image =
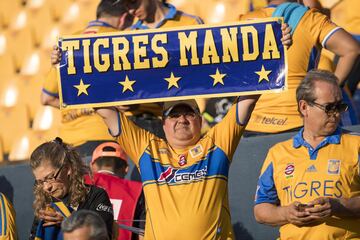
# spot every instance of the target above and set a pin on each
(303, 206)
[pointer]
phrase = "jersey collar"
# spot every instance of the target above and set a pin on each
(170, 15)
(271, 6)
(99, 24)
(299, 141)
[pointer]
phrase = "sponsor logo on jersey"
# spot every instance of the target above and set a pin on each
(274, 121)
(167, 175)
(104, 208)
(311, 168)
(196, 151)
(289, 170)
(182, 160)
(334, 166)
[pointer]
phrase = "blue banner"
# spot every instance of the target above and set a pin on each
(169, 64)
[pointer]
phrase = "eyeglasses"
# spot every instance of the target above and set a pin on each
(51, 179)
(187, 115)
(331, 108)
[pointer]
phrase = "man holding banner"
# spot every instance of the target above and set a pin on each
(185, 175)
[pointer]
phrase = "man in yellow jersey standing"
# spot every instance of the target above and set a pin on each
(184, 177)
(310, 185)
(83, 128)
(310, 28)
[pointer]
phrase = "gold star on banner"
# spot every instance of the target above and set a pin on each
(218, 77)
(263, 74)
(172, 80)
(82, 88)
(127, 84)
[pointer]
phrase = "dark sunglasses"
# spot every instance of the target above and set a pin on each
(331, 108)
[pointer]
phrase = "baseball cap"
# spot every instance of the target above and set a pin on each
(100, 152)
(169, 106)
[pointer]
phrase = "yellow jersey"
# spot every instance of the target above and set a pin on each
(278, 112)
(185, 189)
(294, 171)
(7, 220)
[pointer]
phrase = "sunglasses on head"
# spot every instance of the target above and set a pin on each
(330, 108)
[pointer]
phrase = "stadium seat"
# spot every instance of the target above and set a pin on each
(35, 4)
(7, 68)
(14, 122)
(216, 11)
(187, 6)
(30, 90)
(45, 127)
(8, 9)
(58, 9)
(87, 10)
(46, 119)
(36, 62)
(9, 93)
(24, 144)
(3, 42)
(20, 48)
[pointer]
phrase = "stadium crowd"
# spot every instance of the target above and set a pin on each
(309, 185)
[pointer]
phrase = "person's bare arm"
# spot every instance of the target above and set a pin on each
(271, 214)
(49, 100)
(347, 48)
(110, 116)
(245, 107)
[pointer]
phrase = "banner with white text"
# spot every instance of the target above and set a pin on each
(170, 64)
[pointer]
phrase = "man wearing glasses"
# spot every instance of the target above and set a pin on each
(310, 185)
(184, 177)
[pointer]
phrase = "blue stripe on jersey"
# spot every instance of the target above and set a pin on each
(3, 223)
(50, 93)
(214, 165)
(266, 191)
(313, 59)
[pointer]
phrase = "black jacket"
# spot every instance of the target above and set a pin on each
(96, 200)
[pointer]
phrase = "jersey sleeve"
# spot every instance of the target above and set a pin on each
(132, 139)
(50, 85)
(7, 216)
(227, 133)
(266, 190)
(318, 26)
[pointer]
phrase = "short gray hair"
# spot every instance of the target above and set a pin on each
(86, 218)
(305, 91)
